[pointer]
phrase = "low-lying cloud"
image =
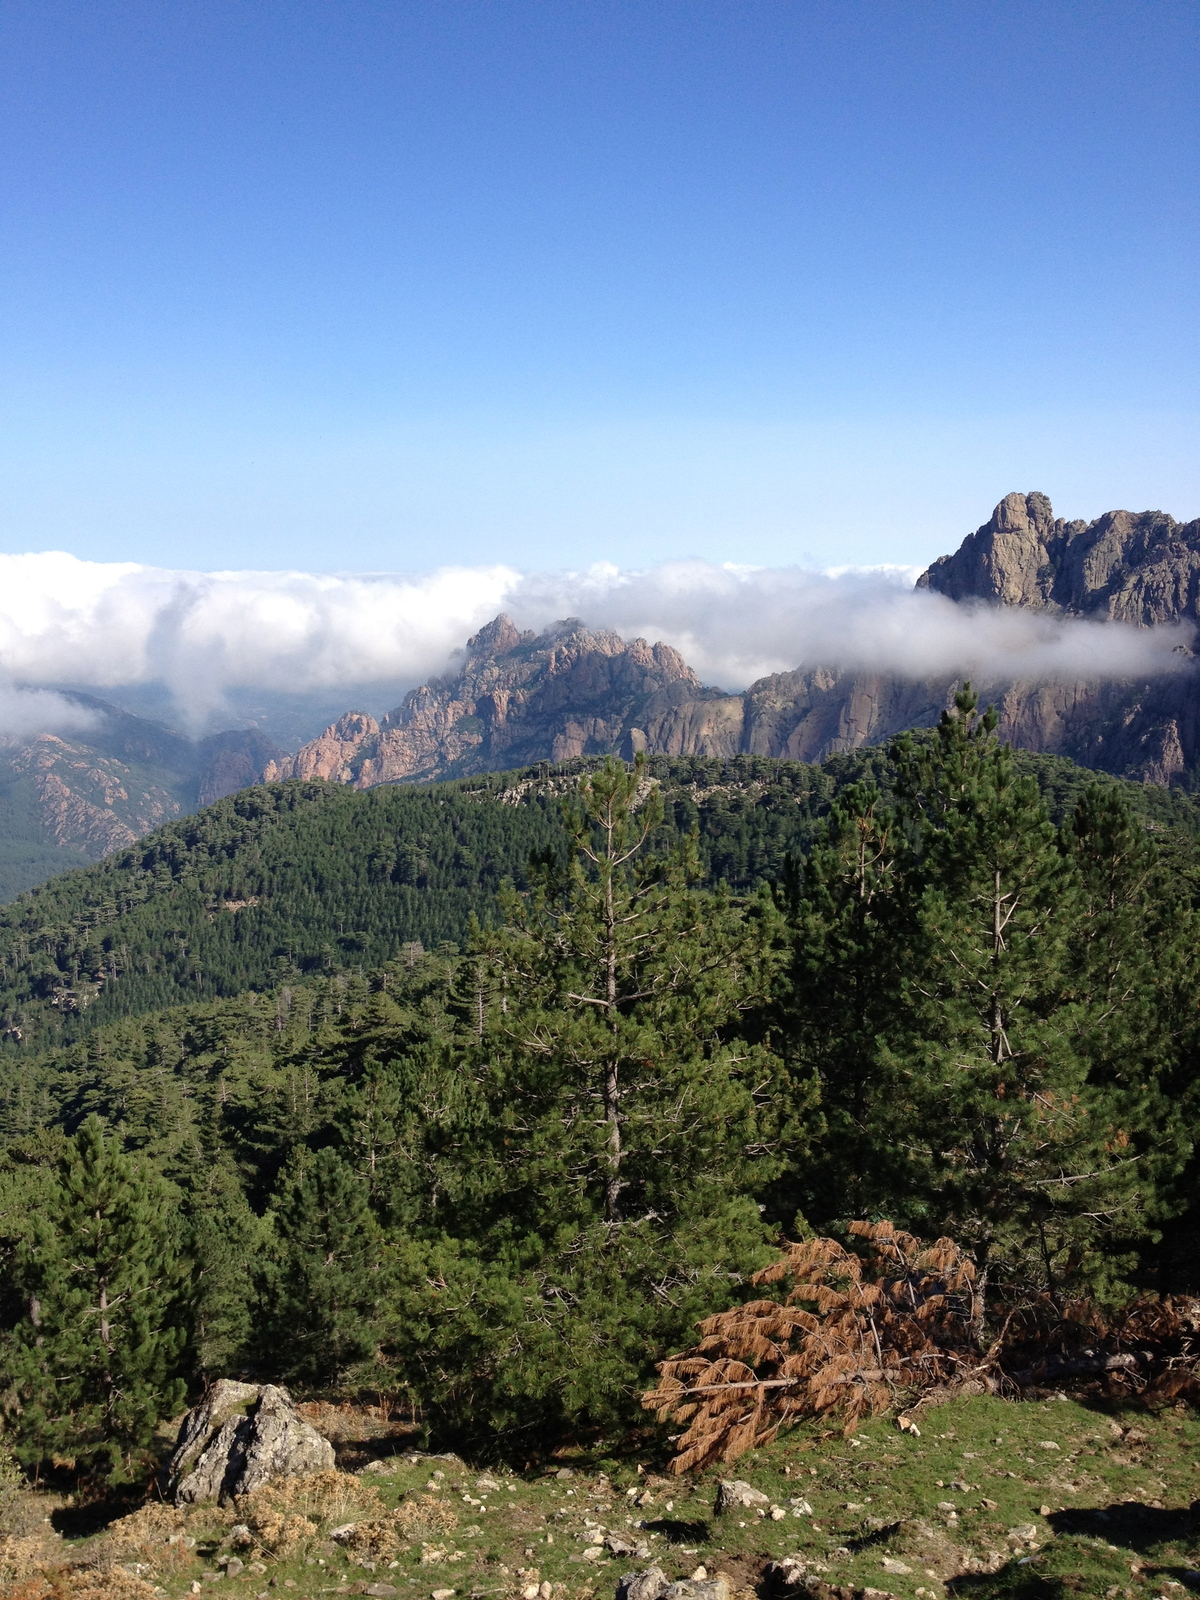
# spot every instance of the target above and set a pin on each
(102, 625)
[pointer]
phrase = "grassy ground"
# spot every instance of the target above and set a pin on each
(1035, 1500)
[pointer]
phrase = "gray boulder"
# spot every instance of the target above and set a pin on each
(733, 1495)
(240, 1437)
(698, 1589)
(648, 1585)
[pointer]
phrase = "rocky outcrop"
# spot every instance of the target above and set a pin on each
(1141, 567)
(519, 698)
(238, 1438)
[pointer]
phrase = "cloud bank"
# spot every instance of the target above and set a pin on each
(103, 625)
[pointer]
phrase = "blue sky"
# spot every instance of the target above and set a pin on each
(383, 286)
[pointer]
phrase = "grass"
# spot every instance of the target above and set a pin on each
(1033, 1501)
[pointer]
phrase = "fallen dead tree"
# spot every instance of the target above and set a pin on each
(852, 1332)
(898, 1321)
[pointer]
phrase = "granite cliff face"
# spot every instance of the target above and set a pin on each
(519, 698)
(572, 692)
(1139, 567)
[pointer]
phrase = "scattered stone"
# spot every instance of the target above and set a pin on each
(563, 1474)
(595, 1552)
(959, 1486)
(233, 1566)
(648, 1585)
(341, 1535)
(713, 1589)
(256, 1566)
(947, 1505)
(989, 1505)
(439, 1594)
(240, 1437)
(1048, 1444)
(617, 1546)
(777, 1513)
(488, 1485)
(800, 1507)
(733, 1493)
(383, 1590)
(898, 1569)
(1044, 1511)
(699, 1576)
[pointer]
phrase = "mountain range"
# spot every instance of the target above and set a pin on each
(571, 691)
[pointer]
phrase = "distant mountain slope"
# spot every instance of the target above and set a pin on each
(69, 800)
(573, 692)
(299, 877)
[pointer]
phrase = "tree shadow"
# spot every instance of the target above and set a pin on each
(676, 1532)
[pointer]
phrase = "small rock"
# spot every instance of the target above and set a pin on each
(777, 1513)
(699, 1576)
(233, 1566)
(898, 1569)
(1048, 1444)
(853, 1505)
(489, 1485)
(617, 1546)
(342, 1534)
(1044, 1511)
(959, 1486)
(563, 1474)
(239, 1534)
(647, 1585)
(194, 1586)
(595, 1552)
(439, 1594)
(713, 1589)
(256, 1566)
(947, 1505)
(800, 1508)
(382, 1590)
(733, 1493)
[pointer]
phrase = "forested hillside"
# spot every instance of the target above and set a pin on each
(501, 1168)
(296, 878)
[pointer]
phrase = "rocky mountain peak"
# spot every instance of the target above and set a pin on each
(1126, 566)
(517, 697)
(497, 638)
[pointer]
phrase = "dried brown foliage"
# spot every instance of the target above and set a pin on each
(423, 1517)
(284, 1515)
(852, 1331)
(1149, 1348)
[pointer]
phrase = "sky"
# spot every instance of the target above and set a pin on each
(536, 284)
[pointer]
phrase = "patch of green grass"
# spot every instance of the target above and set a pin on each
(1032, 1501)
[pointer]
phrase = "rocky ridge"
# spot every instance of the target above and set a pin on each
(521, 698)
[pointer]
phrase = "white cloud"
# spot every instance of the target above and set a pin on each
(63, 620)
(24, 712)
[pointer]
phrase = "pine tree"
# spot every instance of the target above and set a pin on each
(97, 1361)
(610, 1028)
(226, 1242)
(326, 1283)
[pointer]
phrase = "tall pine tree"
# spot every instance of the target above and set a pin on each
(97, 1361)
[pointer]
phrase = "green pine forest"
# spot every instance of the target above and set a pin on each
(484, 1094)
